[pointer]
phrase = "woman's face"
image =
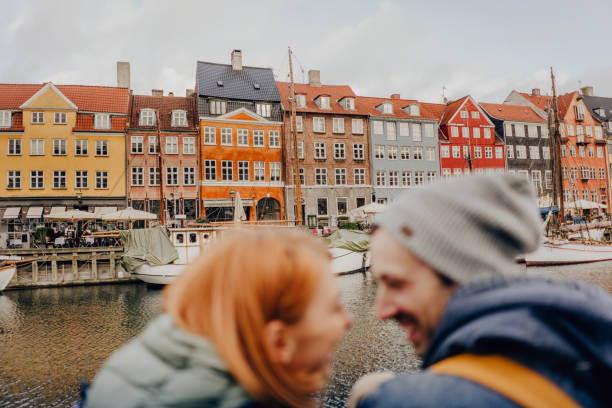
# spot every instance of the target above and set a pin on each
(316, 335)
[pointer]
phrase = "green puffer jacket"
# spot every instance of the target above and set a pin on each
(165, 367)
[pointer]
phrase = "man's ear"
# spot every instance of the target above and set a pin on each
(278, 343)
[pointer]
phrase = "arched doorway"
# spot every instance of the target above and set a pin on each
(268, 209)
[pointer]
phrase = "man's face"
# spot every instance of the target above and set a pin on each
(409, 291)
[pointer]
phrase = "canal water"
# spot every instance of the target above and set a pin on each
(50, 338)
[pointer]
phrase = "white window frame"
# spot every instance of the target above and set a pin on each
(101, 148)
(37, 179)
(210, 170)
(101, 180)
(102, 121)
(321, 176)
(264, 109)
(154, 176)
(358, 151)
(391, 133)
(217, 107)
(227, 137)
(14, 147)
(178, 118)
(357, 126)
(274, 139)
(147, 117)
(137, 176)
(189, 176)
(59, 147)
(189, 145)
(37, 147)
(339, 151)
(227, 170)
(81, 147)
(13, 180)
(5, 119)
(38, 118)
(172, 176)
(359, 176)
(259, 171)
(243, 170)
(377, 127)
(275, 172)
(259, 138)
(172, 143)
(318, 124)
(320, 151)
(340, 176)
(338, 125)
(81, 179)
(210, 135)
(136, 144)
(60, 118)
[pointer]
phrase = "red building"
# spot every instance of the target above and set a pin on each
(468, 143)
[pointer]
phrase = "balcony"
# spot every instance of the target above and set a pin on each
(600, 141)
(580, 140)
(579, 116)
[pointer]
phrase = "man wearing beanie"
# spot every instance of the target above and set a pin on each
(444, 258)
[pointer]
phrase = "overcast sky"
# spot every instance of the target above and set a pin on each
(378, 47)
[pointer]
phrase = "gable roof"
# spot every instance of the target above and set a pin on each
(512, 112)
(452, 108)
(335, 93)
(87, 98)
(240, 85)
(165, 105)
(428, 110)
(542, 101)
(595, 102)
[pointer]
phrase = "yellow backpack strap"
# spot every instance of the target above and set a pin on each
(514, 381)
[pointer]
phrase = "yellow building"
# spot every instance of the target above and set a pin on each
(60, 146)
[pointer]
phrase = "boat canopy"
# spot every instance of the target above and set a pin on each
(352, 240)
(151, 246)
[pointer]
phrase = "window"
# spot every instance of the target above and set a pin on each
(598, 134)
(392, 152)
(152, 143)
(341, 205)
(417, 153)
(387, 108)
(573, 174)
(321, 176)
(324, 101)
(466, 151)
(394, 178)
(299, 123)
(465, 132)
(546, 152)
(532, 131)
(534, 152)
(510, 151)
(137, 176)
(564, 172)
(59, 179)
(431, 176)
(463, 114)
(579, 130)
(13, 179)
(189, 145)
(5, 118)
(600, 152)
(243, 171)
(381, 177)
(275, 171)
(320, 153)
(318, 125)
(340, 176)
(59, 118)
(36, 179)
(377, 127)
(38, 118)
(101, 148)
(456, 152)
(172, 176)
(446, 173)
(563, 151)
(359, 176)
(476, 132)
(101, 179)
(477, 152)
(475, 115)
(454, 131)
(81, 148)
(80, 179)
(102, 121)
(358, 151)
(457, 172)
(210, 170)
(300, 148)
(171, 144)
(418, 178)
(322, 206)
(379, 152)
(594, 196)
(499, 152)
(579, 115)
(406, 178)
(589, 131)
(258, 138)
(179, 118)
(357, 126)
(264, 109)
(431, 154)
(536, 179)
(189, 176)
(136, 142)
(227, 170)
(217, 107)
(591, 152)
(226, 136)
(444, 151)
(259, 170)
(602, 173)
(518, 131)
(339, 151)
(301, 101)
(274, 138)
(147, 117)
(154, 176)
(570, 130)
(210, 135)
(585, 194)
(338, 125)
(429, 130)
(521, 152)
(416, 132)
(14, 147)
(581, 151)
(572, 150)
(349, 103)
(59, 147)
(391, 135)
(302, 176)
(548, 179)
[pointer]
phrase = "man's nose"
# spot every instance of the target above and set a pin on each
(384, 307)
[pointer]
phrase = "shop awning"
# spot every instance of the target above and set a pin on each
(100, 211)
(12, 212)
(35, 212)
(56, 212)
(226, 202)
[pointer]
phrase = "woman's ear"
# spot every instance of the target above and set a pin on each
(278, 343)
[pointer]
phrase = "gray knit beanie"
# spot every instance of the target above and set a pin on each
(467, 228)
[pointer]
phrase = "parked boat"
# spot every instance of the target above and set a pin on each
(349, 251)
(568, 254)
(6, 274)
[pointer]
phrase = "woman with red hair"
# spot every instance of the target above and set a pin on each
(254, 321)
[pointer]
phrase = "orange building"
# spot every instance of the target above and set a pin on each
(240, 148)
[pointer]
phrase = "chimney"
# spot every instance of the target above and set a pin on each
(157, 92)
(170, 93)
(123, 74)
(314, 77)
(189, 92)
(587, 90)
(535, 92)
(395, 96)
(237, 60)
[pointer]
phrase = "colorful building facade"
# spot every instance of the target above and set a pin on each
(241, 143)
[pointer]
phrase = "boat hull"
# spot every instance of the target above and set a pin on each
(6, 274)
(159, 274)
(345, 261)
(570, 254)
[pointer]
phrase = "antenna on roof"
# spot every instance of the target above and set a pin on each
(444, 99)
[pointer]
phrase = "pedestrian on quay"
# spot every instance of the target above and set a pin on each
(444, 258)
(253, 322)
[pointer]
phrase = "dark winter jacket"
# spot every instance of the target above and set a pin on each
(165, 367)
(562, 330)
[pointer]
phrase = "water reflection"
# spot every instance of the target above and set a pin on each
(49, 338)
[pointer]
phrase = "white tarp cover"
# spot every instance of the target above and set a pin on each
(100, 211)
(55, 211)
(239, 214)
(35, 212)
(129, 214)
(584, 205)
(71, 215)
(12, 212)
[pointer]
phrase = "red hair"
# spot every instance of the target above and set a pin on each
(237, 286)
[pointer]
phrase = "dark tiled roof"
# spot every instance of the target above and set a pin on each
(165, 105)
(596, 102)
(239, 85)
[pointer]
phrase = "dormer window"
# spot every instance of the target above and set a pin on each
(301, 101)
(414, 110)
(179, 118)
(217, 107)
(348, 103)
(264, 109)
(324, 101)
(147, 117)
(5, 118)
(102, 121)
(579, 111)
(387, 107)
(601, 112)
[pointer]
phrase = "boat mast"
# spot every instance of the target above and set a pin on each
(558, 185)
(159, 164)
(296, 163)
